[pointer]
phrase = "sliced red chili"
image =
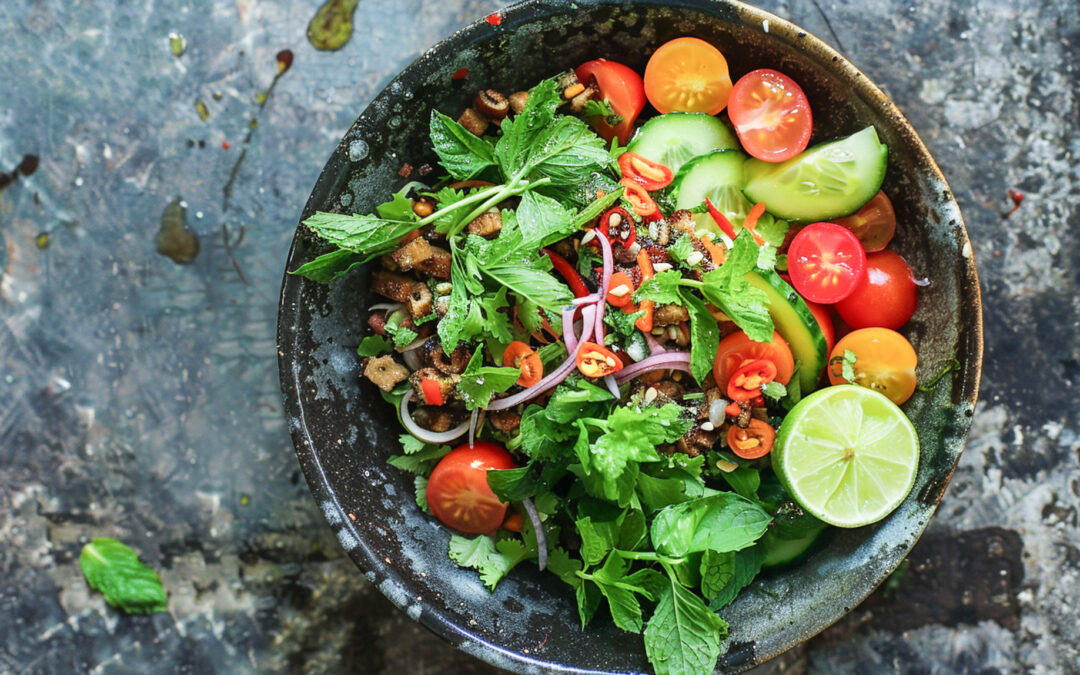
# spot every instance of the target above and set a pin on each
(432, 391)
(651, 175)
(639, 198)
(746, 382)
(596, 361)
(520, 355)
(721, 220)
(617, 225)
(755, 441)
(573, 279)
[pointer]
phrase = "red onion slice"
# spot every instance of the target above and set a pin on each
(423, 434)
(666, 361)
(654, 346)
(586, 299)
(605, 281)
(612, 386)
(569, 337)
(538, 528)
(556, 376)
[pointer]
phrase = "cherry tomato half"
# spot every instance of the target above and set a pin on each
(687, 75)
(826, 262)
(771, 115)
(520, 355)
(623, 89)
(651, 175)
(874, 224)
(755, 441)
(737, 350)
(885, 298)
(458, 493)
(884, 361)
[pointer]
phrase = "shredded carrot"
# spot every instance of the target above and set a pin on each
(645, 322)
(751, 220)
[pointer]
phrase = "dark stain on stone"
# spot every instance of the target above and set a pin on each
(739, 654)
(175, 239)
(1054, 513)
(26, 167)
(1070, 369)
(932, 492)
(513, 605)
(332, 26)
(951, 579)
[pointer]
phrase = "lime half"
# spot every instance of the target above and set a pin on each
(847, 454)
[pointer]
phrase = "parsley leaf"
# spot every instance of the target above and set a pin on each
(461, 153)
(542, 438)
(126, 582)
(401, 335)
(572, 400)
(374, 345)
(398, 208)
(683, 636)
(479, 383)
(704, 336)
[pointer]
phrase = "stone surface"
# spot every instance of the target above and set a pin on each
(139, 397)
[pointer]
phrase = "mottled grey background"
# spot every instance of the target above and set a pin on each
(139, 398)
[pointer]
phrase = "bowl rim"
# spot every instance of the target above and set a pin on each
(329, 180)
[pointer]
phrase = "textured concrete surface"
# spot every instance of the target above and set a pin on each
(139, 399)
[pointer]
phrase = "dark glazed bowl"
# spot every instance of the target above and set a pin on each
(344, 431)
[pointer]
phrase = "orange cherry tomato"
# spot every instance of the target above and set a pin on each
(651, 175)
(737, 349)
(639, 199)
(520, 355)
(687, 75)
(886, 297)
(513, 522)
(884, 361)
(746, 382)
(620, 290)
(824, 320)
(596, 361)
(755, 441)
(432, 391)
(622, 87)
(458, 493)
(874, 224)
(770, 114)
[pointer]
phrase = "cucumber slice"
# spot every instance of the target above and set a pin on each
(718, 176)
(827, 181)
(796, 324)
(676, 138)
(785, 551)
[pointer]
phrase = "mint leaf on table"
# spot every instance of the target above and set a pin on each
(704, 335)
(461, 153)
(722, 522)
(374, 345)
(329, 266)
(747, 565)
(126, 582)
(662, 289)
(683, 636)
(479, 383)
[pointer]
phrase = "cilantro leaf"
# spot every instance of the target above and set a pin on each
(374, 345)
(594, 108)
(422, 462)
(847, 365)
(572, 400)
(411, 444)
(663, 288)
(774, 390)
(683, 636)
(329, 266)
(479, 383)
(772, 231)
(622, 324)
(681, 248)
(632, 435)
(530, 315)
(126, 582)
(461, 153)
(490, 558)
(542, 438)
(722, 522)
(420, 487)
(704, 335)
(766, 257)
(401, 335)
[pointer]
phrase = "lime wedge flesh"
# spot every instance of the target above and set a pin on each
(848, 455)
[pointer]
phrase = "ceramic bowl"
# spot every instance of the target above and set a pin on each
(344, 431)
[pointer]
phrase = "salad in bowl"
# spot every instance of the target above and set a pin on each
(653, 357)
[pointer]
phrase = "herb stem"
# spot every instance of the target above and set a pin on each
(652, 556)
(471, 199)
(511, 189)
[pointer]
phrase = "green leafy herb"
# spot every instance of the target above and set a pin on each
(420, 488)
(717, 571)
(743, 480)
(479, 382)
(771, 230)
(126, 582)
(513, 485)
(766, 257)
(952, 365)
(419, 462)
(774, 390)
(402, 335)
(794, 389)
(683, 636)
(681, 248)
(329, 266)
(601, 108)
(747, 565)
(704, 336)
(493, 559)
(847, 365)
(631, 434)
(461, 153)
(722, 522)
(374, 345)
(662, 288)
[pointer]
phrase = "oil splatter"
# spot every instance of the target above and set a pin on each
(204, 112)
(332, 26)
(177, 44)
(175, 239)
(42, 241)
(27, 167)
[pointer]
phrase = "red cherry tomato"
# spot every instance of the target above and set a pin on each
(874, 224)
(771, 115)
(624, 90)
(826, 262)
(458, 493)
(887, 296)
(824, 319)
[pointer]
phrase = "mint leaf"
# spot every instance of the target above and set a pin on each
(479, 383)
(369, 235)
(126, 582)
(747, 565)
(596, 207)
(567, 152)
(588, 601)
(663, 288)
(520, 131)
(704, 336)
(683, 636)
(542, 220)
(727, 288)
(534, 283)
(717, 571)
(329, 266)
(374, 345)
(722, 522)
(461, 153)
(594, 108)
(597, 538)
(745, 481)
